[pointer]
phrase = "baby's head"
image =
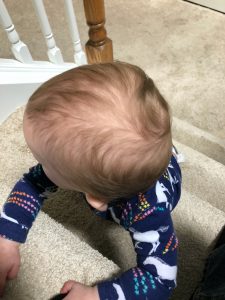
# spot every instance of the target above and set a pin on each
(101, 129)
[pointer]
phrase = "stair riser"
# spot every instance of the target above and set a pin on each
(203, 177)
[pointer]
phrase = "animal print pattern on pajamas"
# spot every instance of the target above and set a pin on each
(147, 217)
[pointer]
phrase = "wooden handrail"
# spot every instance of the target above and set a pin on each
(99, 46)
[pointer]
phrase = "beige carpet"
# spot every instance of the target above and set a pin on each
(182, 47)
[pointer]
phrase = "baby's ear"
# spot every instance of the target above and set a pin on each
(59, 296)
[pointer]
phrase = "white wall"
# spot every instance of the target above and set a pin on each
(14, 96)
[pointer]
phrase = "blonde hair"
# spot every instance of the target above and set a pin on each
(105, 127)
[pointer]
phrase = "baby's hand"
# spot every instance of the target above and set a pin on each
(78, 291)
(9, 261)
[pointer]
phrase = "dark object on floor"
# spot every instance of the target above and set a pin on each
(212, 286)
(59, 297)
(220, 241)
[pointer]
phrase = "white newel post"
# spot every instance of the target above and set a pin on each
(54, 53)
(79, 54)
(19, 49)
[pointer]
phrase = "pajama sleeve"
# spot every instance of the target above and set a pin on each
(148, 219)
(154, 277)
(23, 204)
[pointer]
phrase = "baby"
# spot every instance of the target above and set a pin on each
(103, 130)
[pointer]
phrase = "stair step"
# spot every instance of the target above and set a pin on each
(203, 176)
(58, 253)
(199, 140)
(197, 224)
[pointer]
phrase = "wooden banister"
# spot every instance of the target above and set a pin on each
(99, 46)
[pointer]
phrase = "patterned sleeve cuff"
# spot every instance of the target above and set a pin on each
(13, 231)
(106, 291)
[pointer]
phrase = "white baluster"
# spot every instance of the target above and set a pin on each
(54, 53)
(19, 49)
(79, 55)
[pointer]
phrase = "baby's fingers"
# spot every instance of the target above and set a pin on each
(67, 286)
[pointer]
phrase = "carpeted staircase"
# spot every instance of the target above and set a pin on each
(182, 47)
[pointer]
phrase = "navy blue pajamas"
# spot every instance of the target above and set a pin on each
(147, 216)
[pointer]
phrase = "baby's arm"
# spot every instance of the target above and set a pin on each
(17, 216)
(154, 277)
(24, 203)
(149, 221)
